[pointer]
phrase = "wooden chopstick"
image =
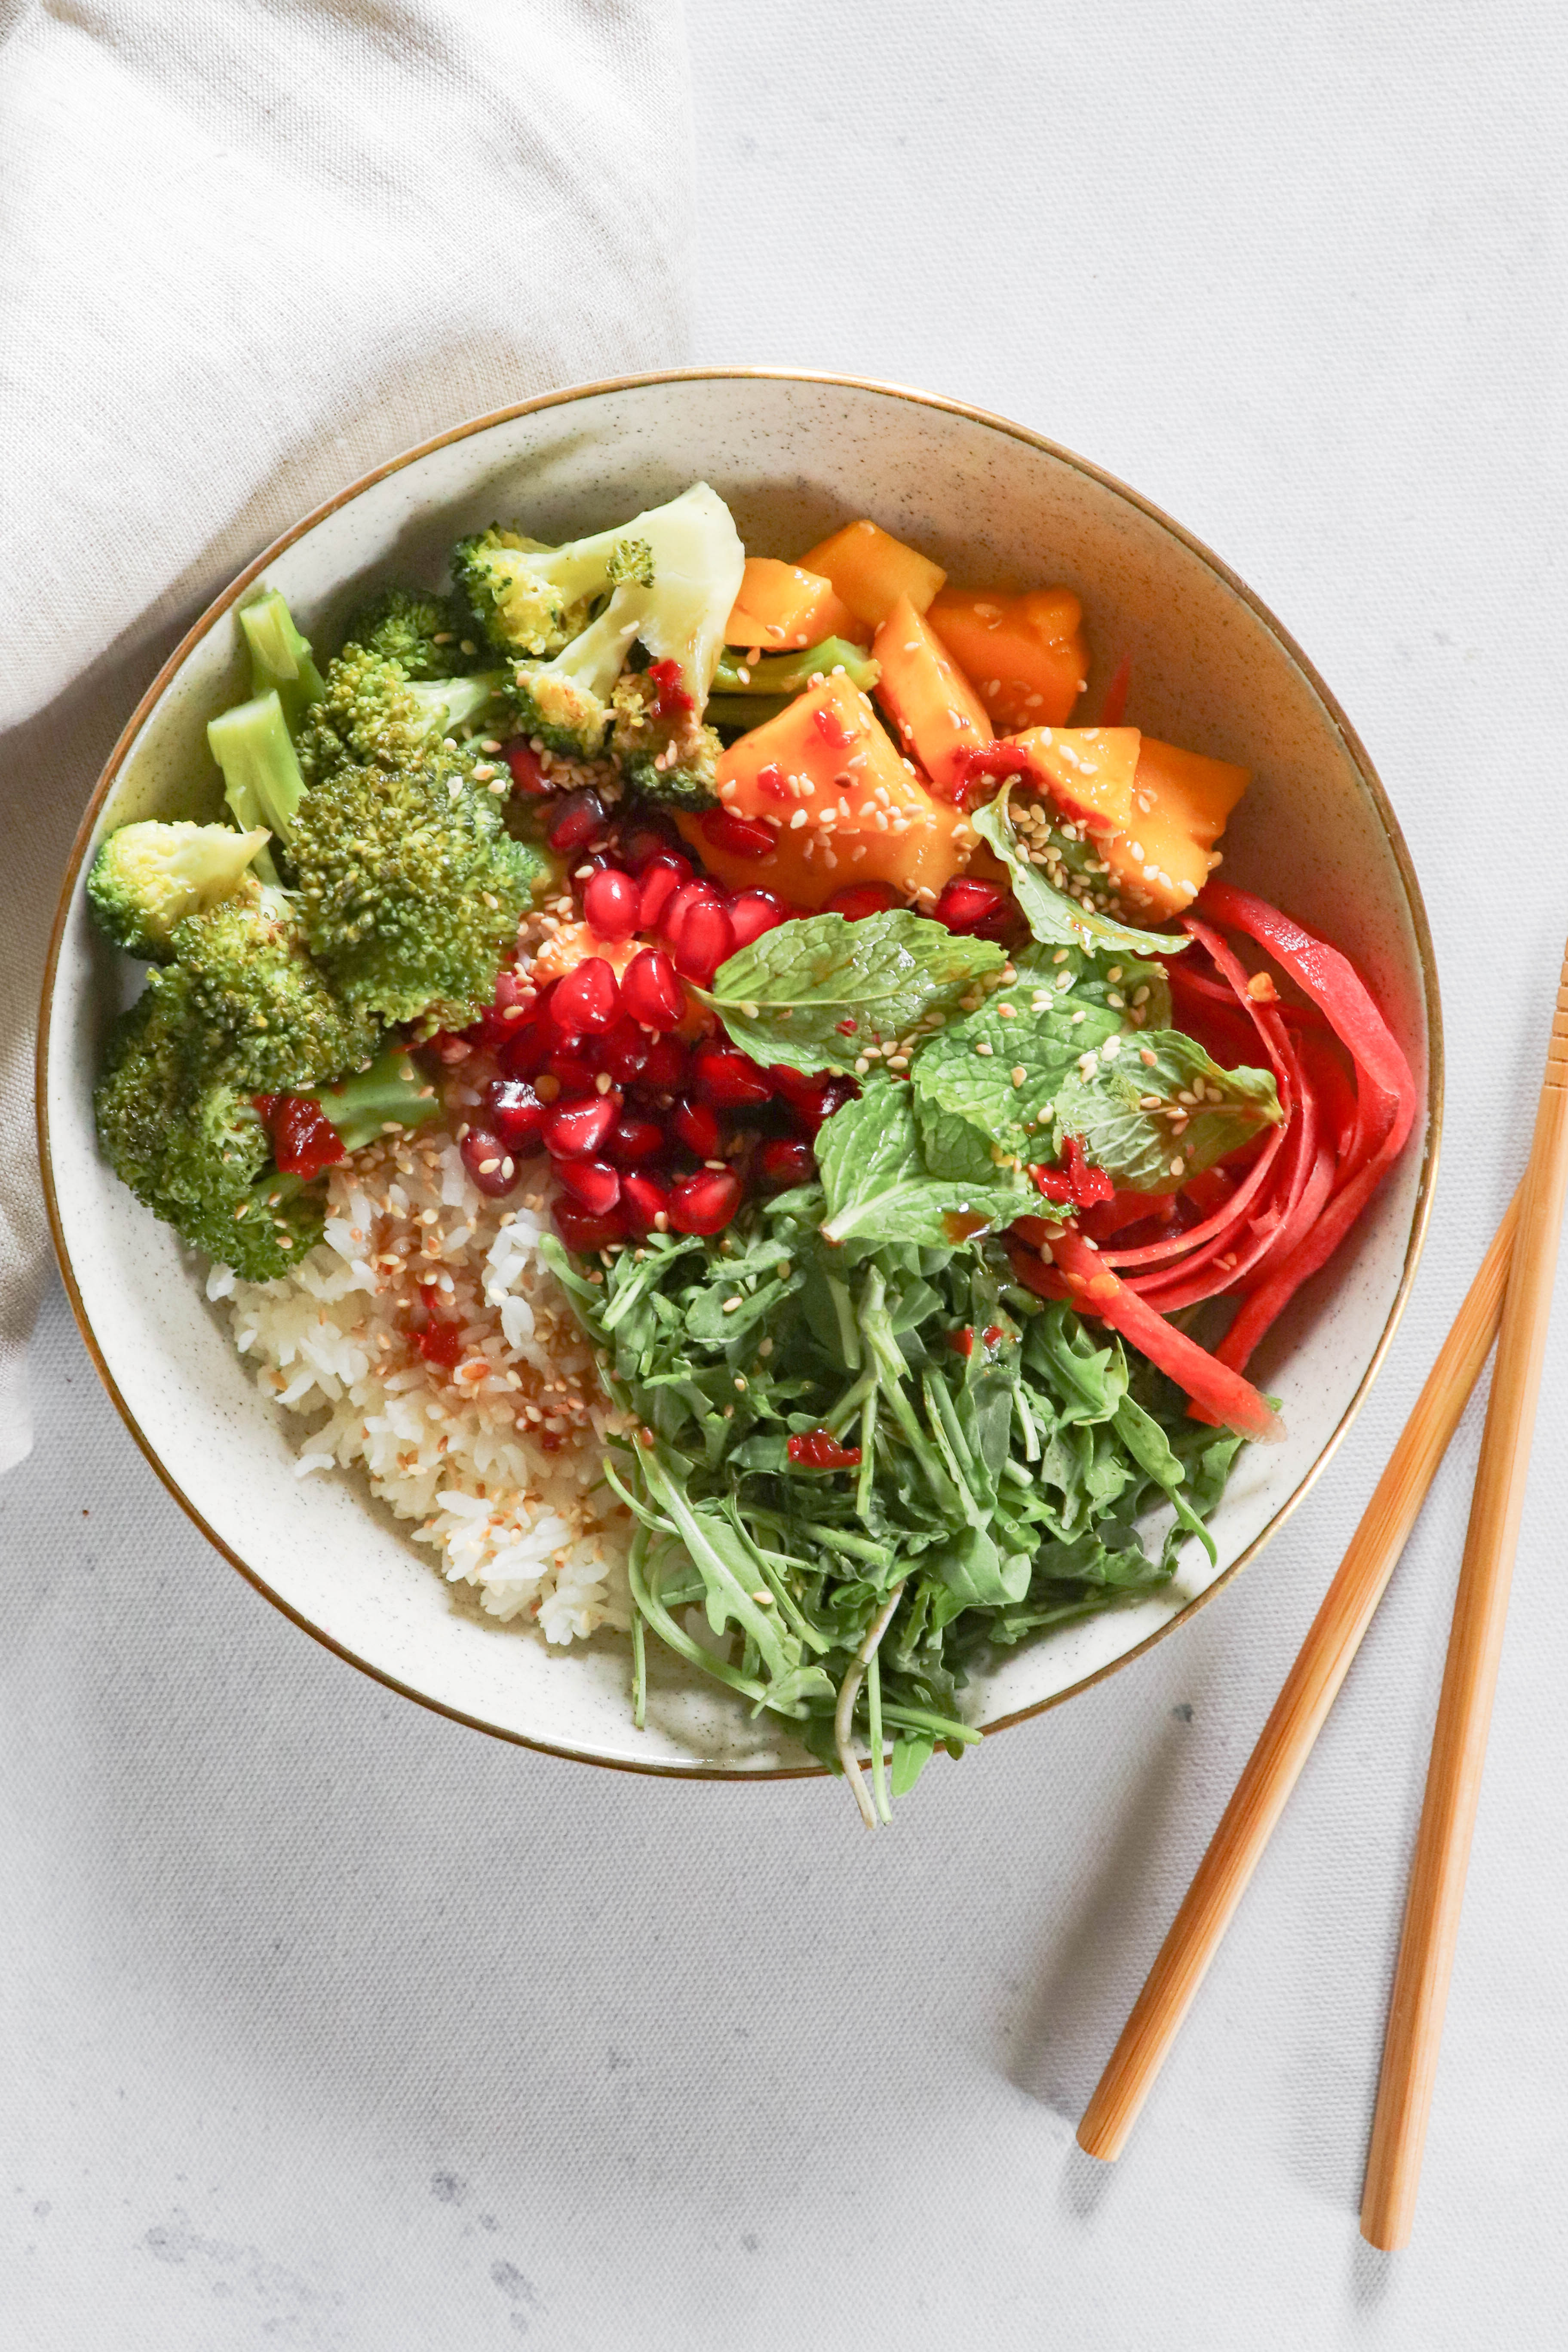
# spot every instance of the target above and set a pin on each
(1470, 1678)
(1300, 1711)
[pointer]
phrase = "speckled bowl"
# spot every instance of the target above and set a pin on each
(794, 455)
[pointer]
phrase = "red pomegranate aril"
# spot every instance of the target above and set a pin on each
(304, 1139)
(649, 840)
(577, 819)
(651, 991)
(610, 902)
(755, 912)
(582, 1230)
(696, 1124)
(660, 878)
(965, 906)
(701, 890)
(781, 1164)
(440, 1342)
(571, 1070)
(528, 773)
(705, 940)
(635, 1139)
(587, 998)
(515, 1112)
(644, 1198)
(593, 1182)
(860, 899)
(577, 1130)
(829, 1095)
(623, 1051)
(488, 1162)
(664, 1071)
(739, 836)
(705, 1203)
(728, 1079)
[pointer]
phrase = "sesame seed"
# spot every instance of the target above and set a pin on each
(983, 1048)
(1019, 1074)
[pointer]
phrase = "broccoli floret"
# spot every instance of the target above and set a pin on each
(791, 674)
(261, 779)
(194, 1151)
(566, 702)
(665, 748)
(512, 601)
(393, 1093)
(260, 1013)
(410, 889)
(279, 657)
(372, 713)
(148, 877)
(421, 632)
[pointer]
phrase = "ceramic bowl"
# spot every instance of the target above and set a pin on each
(794, 456)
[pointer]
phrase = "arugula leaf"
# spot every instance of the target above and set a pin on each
(1050, 913)
(879, 1189)
(980, 1576)
(815, 994)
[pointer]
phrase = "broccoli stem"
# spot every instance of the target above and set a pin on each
(450, 702)
(279, 657)
(738, 713)
(392, 1092)
(788, 674)
(262, 783)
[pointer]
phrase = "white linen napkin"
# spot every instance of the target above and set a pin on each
(247, 252)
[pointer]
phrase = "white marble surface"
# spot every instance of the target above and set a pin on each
(330, 2024)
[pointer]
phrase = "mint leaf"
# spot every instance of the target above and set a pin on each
(815, 994)
(1155, 1150)
(879, 1189)
(1050, 913)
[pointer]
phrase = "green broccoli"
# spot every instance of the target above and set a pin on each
(262, 782)
(372, 713)
(419, 632)
(259, 1012)
(665, 748)
(279, 657)
(393, 1094)
(566, 702)
(410, 889)
(791, 674)
(147, 878)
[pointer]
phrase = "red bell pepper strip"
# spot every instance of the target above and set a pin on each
(1096, 1290)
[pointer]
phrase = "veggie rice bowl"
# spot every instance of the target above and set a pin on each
(775, 1225)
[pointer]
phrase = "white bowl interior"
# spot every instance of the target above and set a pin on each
(792, 458)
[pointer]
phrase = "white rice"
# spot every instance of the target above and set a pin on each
(498, 1458)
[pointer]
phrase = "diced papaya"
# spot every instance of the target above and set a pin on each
(871, 571)
(1180, 803)
(1024, 656)
(1087, 770)
(824, 776)
(935, 713)
(781, 608)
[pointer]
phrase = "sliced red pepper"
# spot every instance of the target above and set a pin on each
(304, 1139)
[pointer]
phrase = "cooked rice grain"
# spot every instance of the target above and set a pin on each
(498, 1458)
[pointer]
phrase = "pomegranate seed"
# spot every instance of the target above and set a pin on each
(527, 768)
(593, 1181)
(651, 992)
(648, 840)
(623, 1052)
(661, 877)
(705, 1203)
(863, 898)
(829, 1095)
(702, 890)
(610, 902)
(440, 1342)
(515, 1112)
(644, 1198)
(781, 1164)
(488, 1162)
(581, 1230)
(706, 940)
(664, 1069)
(741, 836)
(697, 1125)
(587, 998)
(570, 1067)
(721, 1076)
(575, 820)
(577, 1130)
(633, 1140)
(755, 912)
(446, 1048)
(965, 906)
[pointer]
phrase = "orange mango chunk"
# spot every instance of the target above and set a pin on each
(1087, 770)
(935, 713)
(1024, 656)
(871, 571)
(1180, 803)
(783, 608)
(825, 775)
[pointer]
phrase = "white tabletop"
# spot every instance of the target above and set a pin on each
(330, 2023)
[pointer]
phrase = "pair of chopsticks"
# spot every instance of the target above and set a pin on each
(1509, 1301)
